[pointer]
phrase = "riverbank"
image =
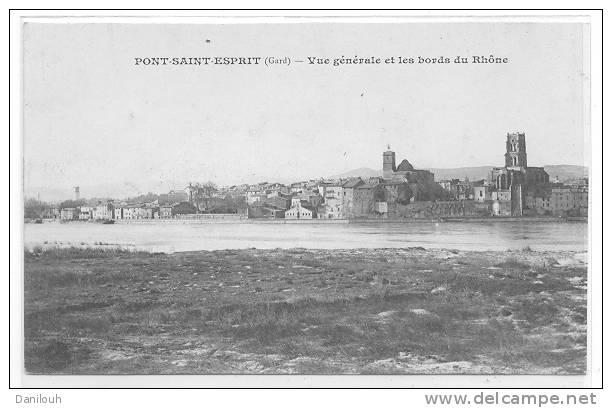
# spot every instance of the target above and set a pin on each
(298, 311)
(468, 220)
(242, 220)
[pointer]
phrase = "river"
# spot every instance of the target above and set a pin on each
(539, 236)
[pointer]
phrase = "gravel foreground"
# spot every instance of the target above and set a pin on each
(301, 311)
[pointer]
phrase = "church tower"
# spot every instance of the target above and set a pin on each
(516, 151)
(388, 163)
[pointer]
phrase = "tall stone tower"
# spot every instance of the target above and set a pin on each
(77, 193)
(516, 151)
(388, 163)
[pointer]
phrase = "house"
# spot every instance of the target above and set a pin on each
(265, 210)
(537, 204)
(465, 190)
(118, 213)
(86, 212)
(537, 199)
(398, 191)
(255, 195)
(300, 210)
(281, 202)
(103, 211)
(52, 213)
(330, 190)
(482, 191)
(569, 201)
(363, 200)
(147, 212)
(332, 206)
(348, 189)
(276, 190)
(129, 212)
(313, 184)
(165, 211)
(69, 214)
(458, 189)
(297, 187)
(313, 197)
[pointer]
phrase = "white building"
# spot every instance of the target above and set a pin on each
(146, 212)
(103, 212)
(300, 210)
(254, 195)
(118, 213)
(129, 212)
(86, 213)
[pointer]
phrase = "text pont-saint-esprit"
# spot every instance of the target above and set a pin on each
(197, 60)
(338, 61)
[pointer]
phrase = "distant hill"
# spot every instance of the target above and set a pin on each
(361, 172)
(564, 172)
(472, 173)
(114, 190)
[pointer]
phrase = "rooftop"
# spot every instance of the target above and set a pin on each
(405, 166)
(352, 182)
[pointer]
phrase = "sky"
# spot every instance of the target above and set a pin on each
(93, 118)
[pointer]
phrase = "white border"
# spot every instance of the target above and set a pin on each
(17, 377)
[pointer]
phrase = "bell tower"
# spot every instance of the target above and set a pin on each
(516, 151)
(388, 162)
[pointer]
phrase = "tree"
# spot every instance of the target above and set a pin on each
(33, 208)
(183, 208)
(72, 203)
(201, 194)
(143, 198)
(237, 201)
(405, 194)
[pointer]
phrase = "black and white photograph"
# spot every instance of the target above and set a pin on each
(308, 197)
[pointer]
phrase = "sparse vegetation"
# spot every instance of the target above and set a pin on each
(57, 252)
(111, 310)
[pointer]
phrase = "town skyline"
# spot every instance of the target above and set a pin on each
(130, 190)
(402, 190)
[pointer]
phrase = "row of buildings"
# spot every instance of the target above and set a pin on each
(518, 189)
(354, 197)
(547, 198)
(111, 210)
(515, 189)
